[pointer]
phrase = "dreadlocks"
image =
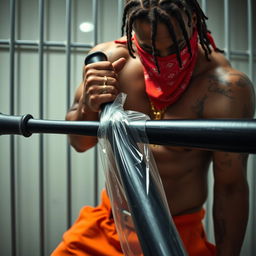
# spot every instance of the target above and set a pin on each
(160, 11)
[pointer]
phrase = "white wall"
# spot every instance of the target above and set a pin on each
(27, 98)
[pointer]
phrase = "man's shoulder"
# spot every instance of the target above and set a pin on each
(230, 92)
(223, 91)
(113, 49)
(229, 78)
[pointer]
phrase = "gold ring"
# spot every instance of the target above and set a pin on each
(105, 81)
(104, 90)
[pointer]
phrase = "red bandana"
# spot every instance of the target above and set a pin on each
(166, 88)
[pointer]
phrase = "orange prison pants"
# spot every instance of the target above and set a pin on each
(94, 234)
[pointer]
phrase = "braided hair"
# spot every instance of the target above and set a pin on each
(160, 11)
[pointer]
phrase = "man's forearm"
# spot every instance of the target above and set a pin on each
(79, 142)
(230, 213)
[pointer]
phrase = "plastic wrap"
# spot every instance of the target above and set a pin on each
(131, 178)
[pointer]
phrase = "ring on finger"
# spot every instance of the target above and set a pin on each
(104, 89)
(105, 81)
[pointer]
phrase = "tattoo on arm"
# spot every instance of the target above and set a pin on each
(238, 79)
(214, 86)
(242, 81)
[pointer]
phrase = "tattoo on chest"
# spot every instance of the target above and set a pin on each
(199, 106)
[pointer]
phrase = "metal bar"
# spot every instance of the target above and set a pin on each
(96, 176)
(226, 28)
(12, 139)
(19, 42)
(68, 89)
(216, 134)
(250, 25)
(41, 137)
(119, 14)
(204, 6)
(250, 38)
(80, 45)
(241, 54)
(45, 43)
(95, 11)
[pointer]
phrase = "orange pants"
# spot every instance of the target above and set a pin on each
(94, 234)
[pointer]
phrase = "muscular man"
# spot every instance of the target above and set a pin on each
(169, 67)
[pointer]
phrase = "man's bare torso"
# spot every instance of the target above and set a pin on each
(183, 170)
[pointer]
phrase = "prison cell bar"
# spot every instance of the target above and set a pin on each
(95, 7)
(12, 140)
(204, 5)
(226, 28)
(68, 101)
(41, 137)
(251, 52)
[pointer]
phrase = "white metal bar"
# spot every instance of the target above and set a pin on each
(250, 38)
(120, 15)
(68, 90)
(45, 43)
(95, 11)
(12, 139)
(41, 136)
(251, 60)
(227, 28)
(204, 6)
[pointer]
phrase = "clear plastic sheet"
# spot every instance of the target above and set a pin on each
(116, 138)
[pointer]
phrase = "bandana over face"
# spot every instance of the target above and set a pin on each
(166, 87)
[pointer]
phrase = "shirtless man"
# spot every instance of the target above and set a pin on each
(213, 90)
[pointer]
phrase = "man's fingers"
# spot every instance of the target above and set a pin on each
(119, 64)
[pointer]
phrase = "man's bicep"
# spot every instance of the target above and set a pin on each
(77, 97)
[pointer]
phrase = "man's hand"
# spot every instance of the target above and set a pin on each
(101, 83)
